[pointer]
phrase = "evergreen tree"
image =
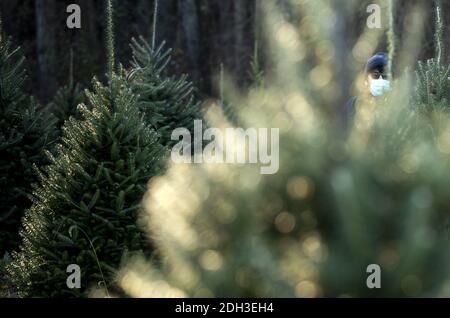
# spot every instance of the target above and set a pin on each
(85, 205)
(67, 98)
(25, 132)
(65, 103)
(433, 76)
(84, 208)
(167, 101)
(433, 85)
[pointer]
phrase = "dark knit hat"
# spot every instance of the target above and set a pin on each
(376, 62)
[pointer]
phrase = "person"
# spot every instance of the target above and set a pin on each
(376, 83)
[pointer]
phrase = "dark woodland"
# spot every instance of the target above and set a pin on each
(203, 34)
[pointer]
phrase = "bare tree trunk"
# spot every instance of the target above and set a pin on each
(144, 18)
(220, 36)
(191, 32)
(446, 15)
(342, 48)
(240, 24)
(166, 29)
(45, 39)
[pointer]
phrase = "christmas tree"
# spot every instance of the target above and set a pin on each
(167, 101)
(433, 76)
(84, 208)
(67, 98)
(65, 103)
(85, 205)
(25, 132)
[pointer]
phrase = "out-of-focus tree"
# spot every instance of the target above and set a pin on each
(334, 207)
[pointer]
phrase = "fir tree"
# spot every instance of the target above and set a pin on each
(433, 76)
(67, 98)
(84, 208)
(25, 132)
(167, 101)
(85, 205)
(65, 103)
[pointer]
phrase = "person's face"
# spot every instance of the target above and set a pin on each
(377, 82)
(377, 74)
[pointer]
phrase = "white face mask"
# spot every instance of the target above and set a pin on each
(379, 86)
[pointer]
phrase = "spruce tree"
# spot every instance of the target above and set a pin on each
(26, 131)
(168, 102)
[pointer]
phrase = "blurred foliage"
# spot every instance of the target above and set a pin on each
(256, 73)
(378, 195)
(225, 105)
(313, 228)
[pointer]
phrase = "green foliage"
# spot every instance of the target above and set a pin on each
(226, 106)
(85, 205)
(439, 32)
(228, 110)
(67, 98)
(334, 207)
(6, 290)
(110, 38)
(433, 85)
(391, 36)
(25, 132)
(65, 103)
(433, 76)
(167, 101)
(256, 73)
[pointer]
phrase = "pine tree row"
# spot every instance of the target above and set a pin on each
(76, 197)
